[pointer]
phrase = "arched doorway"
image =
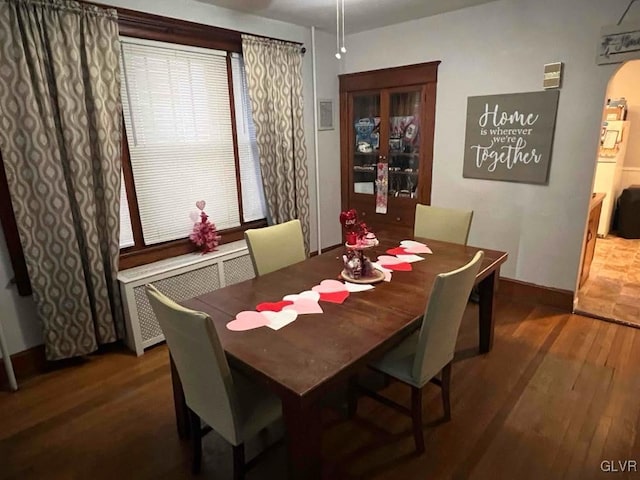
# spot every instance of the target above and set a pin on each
(609, 284)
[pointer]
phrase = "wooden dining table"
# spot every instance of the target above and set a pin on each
(318, 353)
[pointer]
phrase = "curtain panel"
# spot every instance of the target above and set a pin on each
(274, 80)
(60, 134)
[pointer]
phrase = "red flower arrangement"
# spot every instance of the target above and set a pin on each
(204, 233)
(349, 220)
(357, 232)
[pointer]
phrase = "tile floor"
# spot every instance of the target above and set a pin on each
(612, 290)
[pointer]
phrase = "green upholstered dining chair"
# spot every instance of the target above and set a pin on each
(445, 224)
(420, 357)
(228, 402)
(275, 247)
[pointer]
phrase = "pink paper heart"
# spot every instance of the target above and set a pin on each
(273, 306)
(411, 258)
(304, 306)
(330, 286)
(412, 246)
(194, 216)
(247, 320)
(201, 204)
(388, 260)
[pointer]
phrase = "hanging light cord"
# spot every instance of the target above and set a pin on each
(340, 49)
(626, 11)
(338, 29)
(343, 49)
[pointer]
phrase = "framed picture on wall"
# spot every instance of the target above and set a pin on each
(610, 139)
(509, 136)
(325, 114)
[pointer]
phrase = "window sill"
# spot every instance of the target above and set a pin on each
(147, 255)
(183, 261)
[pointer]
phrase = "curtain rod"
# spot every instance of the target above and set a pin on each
(128, 12)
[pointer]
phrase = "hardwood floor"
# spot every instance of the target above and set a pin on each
(558, 394)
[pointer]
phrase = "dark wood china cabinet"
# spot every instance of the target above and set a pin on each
(387, 120)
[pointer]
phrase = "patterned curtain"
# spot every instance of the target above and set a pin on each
(274, 80)
(60, 120)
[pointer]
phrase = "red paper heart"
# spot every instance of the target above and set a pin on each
(398, 267)
(397, 251)
(273, 306)
(334, 297)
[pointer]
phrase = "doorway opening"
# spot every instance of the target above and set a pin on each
(609, 284)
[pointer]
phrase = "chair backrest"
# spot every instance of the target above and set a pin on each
(275, 247)
(201, 364)
(442, 318)
(445, 224)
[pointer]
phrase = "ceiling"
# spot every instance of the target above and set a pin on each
(359, 15)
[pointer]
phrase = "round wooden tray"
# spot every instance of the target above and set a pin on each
(378, 277)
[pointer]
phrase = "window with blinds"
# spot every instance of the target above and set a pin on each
(126, 232)
(253, 204)
(177, 116)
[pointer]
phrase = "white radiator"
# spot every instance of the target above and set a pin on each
(179, 278)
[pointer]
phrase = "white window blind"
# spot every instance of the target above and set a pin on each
(253, 204)
(178, 122)
(126, 233)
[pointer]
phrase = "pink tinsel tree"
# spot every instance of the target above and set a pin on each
(204, 233)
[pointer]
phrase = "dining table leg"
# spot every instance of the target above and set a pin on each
(304, 438)
(487, 290)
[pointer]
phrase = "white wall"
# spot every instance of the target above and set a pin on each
(327, 68)
(18, 314)
(630, 176)
(501, 47)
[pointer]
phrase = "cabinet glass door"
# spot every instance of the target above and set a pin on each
(365, 145)
(404, 143)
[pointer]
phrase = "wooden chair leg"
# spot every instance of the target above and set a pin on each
(446, 388)
(181, 409)
(238, 462)
(416, 415)
(196, 441)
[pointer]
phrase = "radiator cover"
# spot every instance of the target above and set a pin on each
(179, 278)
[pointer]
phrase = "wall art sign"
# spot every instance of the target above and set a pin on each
(619, 43)
(325, 114)
(509, 137)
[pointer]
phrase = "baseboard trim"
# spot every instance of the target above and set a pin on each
(26, 364)
(532, 293)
